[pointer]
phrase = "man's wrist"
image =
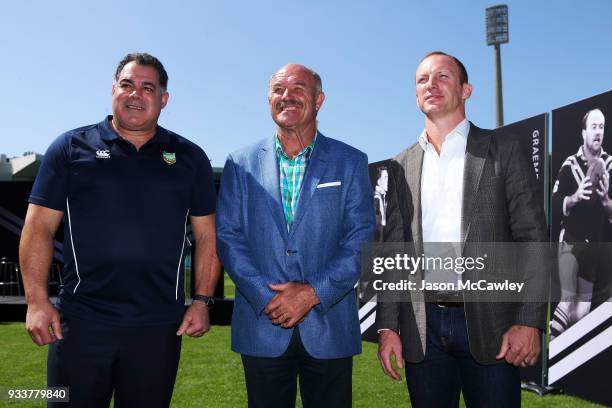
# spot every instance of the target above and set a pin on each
(313, 296)
(209, 301)
(38, 297)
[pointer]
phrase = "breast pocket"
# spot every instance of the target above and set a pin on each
(492, 180)
(327, 201)
(492, 196)
(494, 184)
(328, 187)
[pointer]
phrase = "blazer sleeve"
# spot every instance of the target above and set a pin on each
(232, 246)
(344, 269)
(528, 224)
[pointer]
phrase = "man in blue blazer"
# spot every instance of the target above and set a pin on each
(293, 212)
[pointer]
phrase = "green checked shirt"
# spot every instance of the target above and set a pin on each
(291, 175)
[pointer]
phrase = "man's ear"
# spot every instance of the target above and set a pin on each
(467, 91)
(319, 100)
(165, 97)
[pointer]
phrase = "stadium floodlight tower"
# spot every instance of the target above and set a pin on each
(497, 33)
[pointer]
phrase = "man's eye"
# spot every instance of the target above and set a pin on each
(148, 89)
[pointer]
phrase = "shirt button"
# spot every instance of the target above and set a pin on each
(289, 252)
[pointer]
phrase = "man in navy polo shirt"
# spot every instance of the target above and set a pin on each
(125, 188)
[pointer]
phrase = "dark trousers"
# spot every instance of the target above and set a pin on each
(94, 360)
(449, 368)
(271, 382)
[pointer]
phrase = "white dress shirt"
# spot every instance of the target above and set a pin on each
(442, 197)
(442, 186)
(441, 200)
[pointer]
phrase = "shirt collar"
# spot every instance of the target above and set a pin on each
(106, 129)
(461, 130)
(307, 151)
(107, 132)
(580, 153)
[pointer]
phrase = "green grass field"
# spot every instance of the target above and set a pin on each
(210, 375)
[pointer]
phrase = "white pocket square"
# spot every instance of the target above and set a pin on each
(331, 184)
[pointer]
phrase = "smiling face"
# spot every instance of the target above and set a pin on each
(593, 133)
(294, 98)
(439, 91)
(138, 99)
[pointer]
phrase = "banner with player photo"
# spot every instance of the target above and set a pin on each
(379, 176)
(580, 352)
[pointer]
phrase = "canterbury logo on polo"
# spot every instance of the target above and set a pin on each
(103, 154)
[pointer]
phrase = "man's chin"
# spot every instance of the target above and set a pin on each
(285, 122)
(288, 117)
(133, 125)
(432, 111)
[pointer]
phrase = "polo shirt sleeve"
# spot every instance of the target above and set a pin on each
(204, 197)
(51, 185)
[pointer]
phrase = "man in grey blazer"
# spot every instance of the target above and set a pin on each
(460, 184)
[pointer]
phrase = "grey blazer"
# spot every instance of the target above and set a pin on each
(500, 204)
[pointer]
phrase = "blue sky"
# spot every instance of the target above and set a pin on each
(58, 61)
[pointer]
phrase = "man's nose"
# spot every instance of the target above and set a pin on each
(287, 94)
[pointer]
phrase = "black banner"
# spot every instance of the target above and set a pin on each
(581, 322)
(532, 132)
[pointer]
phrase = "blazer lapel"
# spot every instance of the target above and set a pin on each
(314, 172)
(270, 180)
(414, 168)
(475, 156)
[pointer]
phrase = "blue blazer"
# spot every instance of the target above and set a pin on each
(334, 216)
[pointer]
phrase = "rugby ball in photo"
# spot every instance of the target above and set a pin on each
(595, 173)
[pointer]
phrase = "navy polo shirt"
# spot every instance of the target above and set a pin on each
(125, 214)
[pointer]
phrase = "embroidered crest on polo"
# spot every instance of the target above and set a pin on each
(103, 154)
(169, 158)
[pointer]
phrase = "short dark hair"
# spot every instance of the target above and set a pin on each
(463, 75)
(586, 117)
(142, 58)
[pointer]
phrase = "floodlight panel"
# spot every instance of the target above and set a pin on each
(497, 24)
